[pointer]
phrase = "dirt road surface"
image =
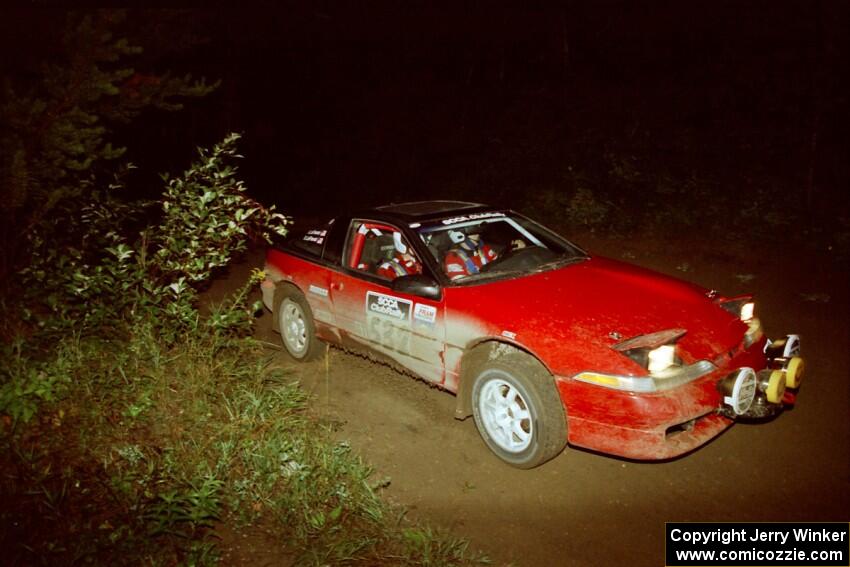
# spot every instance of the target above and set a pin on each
(584, 508)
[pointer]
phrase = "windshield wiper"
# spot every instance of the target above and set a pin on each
(493, 274)
(560, 263)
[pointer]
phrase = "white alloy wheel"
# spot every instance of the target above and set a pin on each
(516, 405)
(505, 415)
(293, 328)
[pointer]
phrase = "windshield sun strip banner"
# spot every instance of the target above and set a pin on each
(487, 220)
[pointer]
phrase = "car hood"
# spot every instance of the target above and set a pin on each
(572, 316)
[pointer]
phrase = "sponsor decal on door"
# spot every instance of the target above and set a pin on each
(388, 321)
(426, 313)
(394, 308)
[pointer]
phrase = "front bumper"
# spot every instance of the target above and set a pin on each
(663, 425)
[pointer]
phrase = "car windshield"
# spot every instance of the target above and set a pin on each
(494, 245)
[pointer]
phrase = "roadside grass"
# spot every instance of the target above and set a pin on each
(124, 451)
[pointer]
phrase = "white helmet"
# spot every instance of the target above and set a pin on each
(457, 236)
(399, 245)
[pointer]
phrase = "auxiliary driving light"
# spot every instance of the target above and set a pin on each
(794, 372)
(739, 389)
(774, 386)
(783, 348)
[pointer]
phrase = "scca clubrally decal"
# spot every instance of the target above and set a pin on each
(394, 308)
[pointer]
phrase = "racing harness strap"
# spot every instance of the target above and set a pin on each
(395, 266)
(469, 249)
(471, 268)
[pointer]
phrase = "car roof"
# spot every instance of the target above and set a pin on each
(427, 210)
(419, 209)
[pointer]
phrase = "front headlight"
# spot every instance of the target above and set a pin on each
(745, 309)
(748, 310)
(742, 307)
(661, 358)
(654, 351)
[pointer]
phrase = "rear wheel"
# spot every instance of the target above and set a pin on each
(517, 408)
(295, 321)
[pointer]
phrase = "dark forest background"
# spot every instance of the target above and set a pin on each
(724, 116)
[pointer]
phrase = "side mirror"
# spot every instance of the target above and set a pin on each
(422, 286)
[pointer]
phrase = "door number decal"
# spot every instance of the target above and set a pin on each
(388, 321)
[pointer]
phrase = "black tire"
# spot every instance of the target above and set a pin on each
(516, 407)
(295, 323)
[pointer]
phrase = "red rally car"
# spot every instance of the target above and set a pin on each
(542, 343)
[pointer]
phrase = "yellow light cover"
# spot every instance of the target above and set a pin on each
(598, 378)
(794, 372)
(775, 387)
(747, 311)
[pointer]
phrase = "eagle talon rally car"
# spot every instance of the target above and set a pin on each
(542, 343)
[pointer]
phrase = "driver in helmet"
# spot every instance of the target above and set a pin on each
(402, 263)
(468, 255)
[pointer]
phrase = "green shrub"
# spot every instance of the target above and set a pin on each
(26, 382)
(106, 275)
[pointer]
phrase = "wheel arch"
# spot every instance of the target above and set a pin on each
(474, 355)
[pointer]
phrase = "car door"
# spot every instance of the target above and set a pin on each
(407, 328)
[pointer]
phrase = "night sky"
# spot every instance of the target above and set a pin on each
(346, 104)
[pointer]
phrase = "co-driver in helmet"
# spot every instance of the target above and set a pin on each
(402, 263)
(468, 255)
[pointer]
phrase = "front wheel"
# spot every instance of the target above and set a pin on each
(295, 320)
(518, 411)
